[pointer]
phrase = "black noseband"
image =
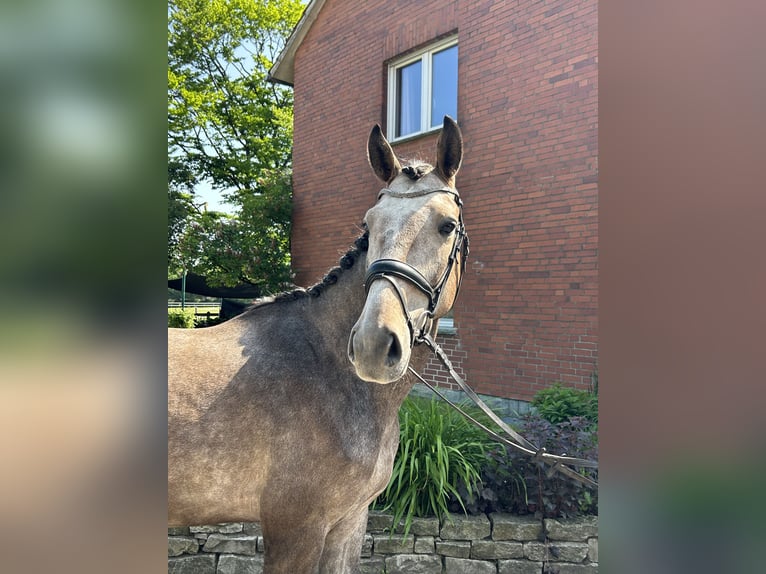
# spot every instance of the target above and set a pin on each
(383, 267)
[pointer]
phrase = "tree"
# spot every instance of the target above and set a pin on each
(229, 126)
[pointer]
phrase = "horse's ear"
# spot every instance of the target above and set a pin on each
(449, 150)
(381, 157)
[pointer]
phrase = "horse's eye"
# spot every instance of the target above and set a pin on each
(447, 227)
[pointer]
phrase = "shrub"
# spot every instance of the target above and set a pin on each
(514, 482)
(438, 450)
(181, 318)
(558, 403)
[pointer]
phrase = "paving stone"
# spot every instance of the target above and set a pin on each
(367, 546)
(379, 522)
(222, 528)
(386, 544)
(463, 566)
(199, 564)
(460, 527)
(428, 526)
(413, 564)
(232, 564)
(536, 551)
(424, 544)
(593, 549)
(178, 545)
(495, 549)
(563, 568)
(573, 529)
(204, 529)
(454, 548)
(568, 551)
(372, 565)
(231, 544)
(519, 567)
(511, 527)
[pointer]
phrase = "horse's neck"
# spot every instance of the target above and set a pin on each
(338, 308)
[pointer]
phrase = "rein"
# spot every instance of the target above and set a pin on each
(558, 462)
(388, 269)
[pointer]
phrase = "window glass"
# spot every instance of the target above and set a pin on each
(408, 81)
(444, 85)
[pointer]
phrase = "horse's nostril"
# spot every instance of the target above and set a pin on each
(351, 345)
(394, 351)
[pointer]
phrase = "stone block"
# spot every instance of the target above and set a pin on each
(413, 564)
(563, 568)
(573, 529)
(568, 551)
(367, 546)
(231, 544)
(252, 528)
(460, 527)
(231, 564)
(520, 528)
(556, 551)
(178, 531)
(221, 528)
(463, 566)
(372, 565)
(428, 526)
(424, 545)
(260, 546)
(536, 551)
(387, 544)
(379, 522)
(178, 545)
(454, 548)
(519, 567)
(593, 549)
(495, 549)
(199, 564)
(204, 529)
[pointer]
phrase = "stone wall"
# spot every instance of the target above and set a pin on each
(494, 544)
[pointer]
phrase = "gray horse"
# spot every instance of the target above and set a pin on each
(287, 414)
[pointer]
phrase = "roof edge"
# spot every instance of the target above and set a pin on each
(283, 70)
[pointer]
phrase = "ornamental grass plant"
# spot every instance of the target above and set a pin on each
(438, 450)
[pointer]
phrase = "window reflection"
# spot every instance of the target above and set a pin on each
(444, 85)
(408, 99)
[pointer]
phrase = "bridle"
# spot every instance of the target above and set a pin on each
(389, 268)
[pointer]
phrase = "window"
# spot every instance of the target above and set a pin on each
(422, 89)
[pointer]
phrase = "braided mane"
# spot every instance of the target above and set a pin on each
(346, 262)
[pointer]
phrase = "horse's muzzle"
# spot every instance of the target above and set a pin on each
(378, 355)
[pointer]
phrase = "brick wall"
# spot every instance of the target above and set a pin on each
(527, 106)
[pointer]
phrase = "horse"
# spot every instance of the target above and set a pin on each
(287, 414)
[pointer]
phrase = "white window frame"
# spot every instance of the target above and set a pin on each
(424, 55)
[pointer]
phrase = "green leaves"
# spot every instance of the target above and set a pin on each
(232, 128)
(558, 403)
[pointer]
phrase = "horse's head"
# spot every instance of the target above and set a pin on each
(417, 249)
